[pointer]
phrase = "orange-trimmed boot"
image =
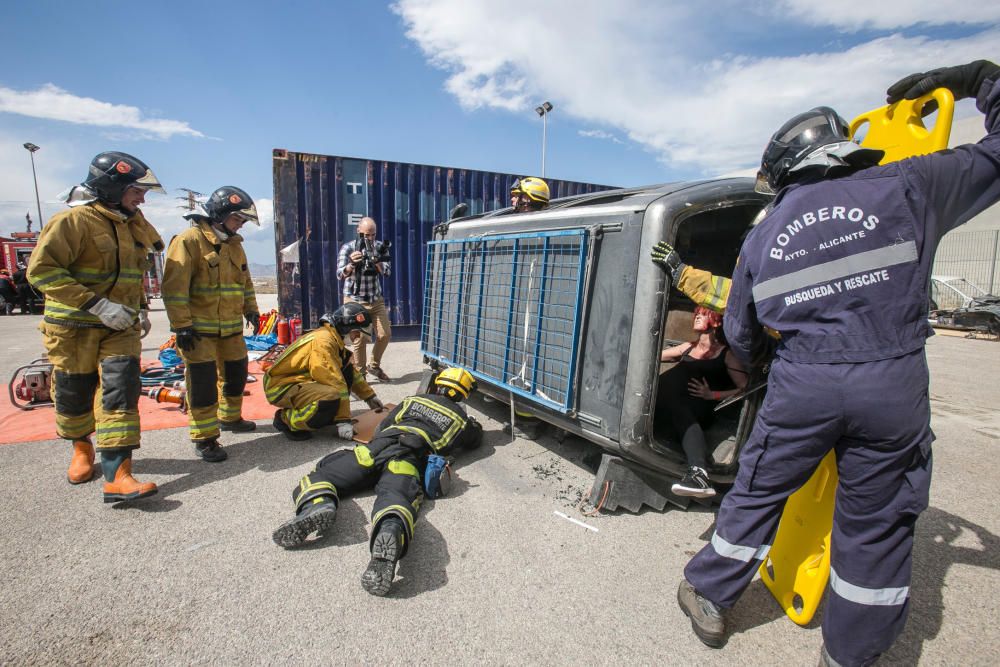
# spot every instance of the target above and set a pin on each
(123, 486)
(81, 466)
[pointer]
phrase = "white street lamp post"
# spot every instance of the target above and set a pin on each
(31, 149)
(543, 111)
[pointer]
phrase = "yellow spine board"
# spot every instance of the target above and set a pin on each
(899, 130)
(797, 567)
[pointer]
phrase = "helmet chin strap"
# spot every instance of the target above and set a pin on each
(220, 231)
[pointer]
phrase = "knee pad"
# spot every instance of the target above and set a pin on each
(75, 392)
(325, 412)
(120, 383)
(202, 389)
(234, 379)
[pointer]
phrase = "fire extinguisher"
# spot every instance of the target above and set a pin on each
(283, 335)
(295, 328)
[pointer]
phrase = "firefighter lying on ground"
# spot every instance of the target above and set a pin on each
(208, 291)
(394, 462)
(311, 382)
(89, 264)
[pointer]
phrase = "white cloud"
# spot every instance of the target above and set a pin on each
(600, 134)
(54, 103)
(639, 66)
(856, 14)
(56, 166)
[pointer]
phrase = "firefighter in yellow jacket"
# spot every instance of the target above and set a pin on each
(701, 286)
(311, 382)
(208, 291)
(89, 264)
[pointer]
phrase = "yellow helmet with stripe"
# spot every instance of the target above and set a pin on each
(455, 383)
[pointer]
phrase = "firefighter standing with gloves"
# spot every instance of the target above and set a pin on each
(311, 382)
(850, 372)
(89, 264)
(208, 291)
(393, 462)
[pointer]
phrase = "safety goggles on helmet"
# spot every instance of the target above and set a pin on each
(817, 139)
(230, 199)
(113, 172)
(349, 317)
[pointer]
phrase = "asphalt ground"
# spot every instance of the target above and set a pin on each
(494, 575)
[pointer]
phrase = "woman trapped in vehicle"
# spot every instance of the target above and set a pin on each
(706, 373)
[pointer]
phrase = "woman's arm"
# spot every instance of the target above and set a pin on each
(674, 353)
(737, 372)
(699, 388)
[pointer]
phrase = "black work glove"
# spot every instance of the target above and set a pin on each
(664, 254)
(963, 81)
(186, 338)
(253, 321)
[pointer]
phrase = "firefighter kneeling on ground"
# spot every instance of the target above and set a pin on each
(394, 462)
(311, 382)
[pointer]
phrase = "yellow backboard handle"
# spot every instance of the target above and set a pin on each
(899, 130)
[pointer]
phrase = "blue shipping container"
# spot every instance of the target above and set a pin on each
(319, 200)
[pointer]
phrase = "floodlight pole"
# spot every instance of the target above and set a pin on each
(31, 148)
(543, 111)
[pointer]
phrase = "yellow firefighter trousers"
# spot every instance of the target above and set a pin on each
(95, 383)
(301, 403)
(216, 367)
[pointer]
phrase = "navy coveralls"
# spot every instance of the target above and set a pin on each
(841, 269)
(394, 461)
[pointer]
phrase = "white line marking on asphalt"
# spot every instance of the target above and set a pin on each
(572, 520)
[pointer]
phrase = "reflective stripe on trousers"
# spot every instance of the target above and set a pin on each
(877, 417)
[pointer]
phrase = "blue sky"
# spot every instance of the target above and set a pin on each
(644, 90)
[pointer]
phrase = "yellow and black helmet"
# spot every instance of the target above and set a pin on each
(533, 188)
(455, 383)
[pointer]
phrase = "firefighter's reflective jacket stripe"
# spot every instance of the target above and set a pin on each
(318, 356)
(428, 417)
(206, 282)
(704, 288)
(87, 253)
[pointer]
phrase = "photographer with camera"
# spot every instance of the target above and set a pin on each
(361, 265)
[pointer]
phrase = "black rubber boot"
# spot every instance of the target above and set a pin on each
(210, 451)
(315, 517)
(239, 426)
(387, 548)
(280, 425)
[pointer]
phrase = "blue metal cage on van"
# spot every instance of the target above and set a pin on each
(506, 307)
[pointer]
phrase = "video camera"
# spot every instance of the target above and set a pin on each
(373, 252)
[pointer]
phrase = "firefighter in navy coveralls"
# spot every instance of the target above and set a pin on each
(841, 268)
(394, 463)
